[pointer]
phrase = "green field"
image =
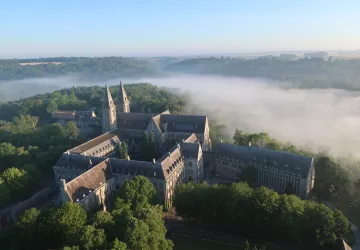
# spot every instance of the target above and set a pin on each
(182, 242)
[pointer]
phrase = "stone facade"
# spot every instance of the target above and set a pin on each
(85, 120)
(91, 179)
(274, 169)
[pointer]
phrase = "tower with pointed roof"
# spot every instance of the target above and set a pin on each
(124, 104)
(109, 121)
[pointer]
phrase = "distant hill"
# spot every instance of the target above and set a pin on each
(300, 73)
(101, 68)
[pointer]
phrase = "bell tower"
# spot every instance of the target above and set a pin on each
(109, 121)
(124, 104)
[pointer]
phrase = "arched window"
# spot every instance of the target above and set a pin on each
(190, 164)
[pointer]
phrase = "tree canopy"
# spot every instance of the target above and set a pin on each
(261, 214)
(130, 225)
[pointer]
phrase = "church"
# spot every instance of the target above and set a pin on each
(90, 173)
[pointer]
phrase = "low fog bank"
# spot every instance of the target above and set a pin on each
(319, 119)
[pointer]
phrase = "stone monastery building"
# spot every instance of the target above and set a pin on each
(90, 173)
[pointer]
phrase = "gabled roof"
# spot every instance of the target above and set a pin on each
(156, 120)
(170, 160)
(112, 137)
(77, 161)
(192, 139)
(64, 115)
(89, 181)
(190, 149)
(282, 161)
(85, 115)
(184, 123)
(138, 121)
(131, 167)
(107, 99)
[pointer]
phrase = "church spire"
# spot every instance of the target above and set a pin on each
(107, 100)
(124, 104)
(109, 121)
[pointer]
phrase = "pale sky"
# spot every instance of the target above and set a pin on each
(175, 27)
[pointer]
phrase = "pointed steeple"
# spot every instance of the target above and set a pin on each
(124, 105)
(109, 121)
(107, 100)
(122, 94)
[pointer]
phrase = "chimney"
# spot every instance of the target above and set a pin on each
(128, 158)
(169, 154)
(154, 160)
(221, 141)
(249, 143)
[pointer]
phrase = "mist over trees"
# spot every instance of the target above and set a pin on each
(301, 73)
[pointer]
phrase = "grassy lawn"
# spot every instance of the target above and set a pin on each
(189, 243)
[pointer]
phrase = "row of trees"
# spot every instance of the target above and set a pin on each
(261, 214)
(122, 151)
(133, 223)
(147, 147)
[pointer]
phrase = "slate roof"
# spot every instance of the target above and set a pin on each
(89, 181)
(78, 161)
(137, 121)
(85, 116)
(131, 167)
(38, 200)
(288, 163)
(64, 115)
(190, 149)
(192, 139)
(170, 160)
(184, 123)
(111, 137)
(156, 120)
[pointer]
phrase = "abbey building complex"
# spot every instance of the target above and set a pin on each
(90, 173)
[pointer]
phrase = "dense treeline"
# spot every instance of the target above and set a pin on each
(337, 180)
(31, 142)
(90, 68)
(133, 223)
(303, 73)
(28, 152)
(261, 214)
(143, 97)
